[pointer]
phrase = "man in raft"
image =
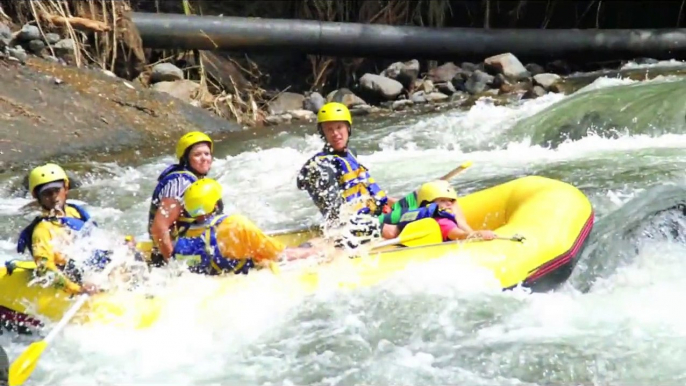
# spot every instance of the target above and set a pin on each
(334, 178)
(438, 200)
(216, 243)
(59, 222)
(167, 217)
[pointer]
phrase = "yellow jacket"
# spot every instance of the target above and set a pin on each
(46, 235)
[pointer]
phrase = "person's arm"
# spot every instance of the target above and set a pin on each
(167, 214)
(319, 178)
(44, 256)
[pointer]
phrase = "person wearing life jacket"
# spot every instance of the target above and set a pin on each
(59, 221)
(166, 216)
(334, 176)
(216, 243)
(438, 200)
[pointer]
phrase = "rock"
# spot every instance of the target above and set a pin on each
(52, 59)
(165, 72)
(401, 104)
(436, 97)
(459, 82)
(67, 46)
(428, 86)
(4, 43)
(478, 82)
(183, 89)
(286, 101)
(346, 97)
(444, 73)
(418, 97)
(278, 119)
(381, 86)
(18, 53)
(535, 92)
(469, 67)
(5, 31)
(559, 67)
(302, 115)
(546, 80)
(404, 72)
(523, 87)
(534, 69)
(459, 97)
(360, 110)
(446, 88)
(314, 102)
(52, 38)
(499, 80)
(109, 73)
(508, 65)
(36, 46)
(28, 32)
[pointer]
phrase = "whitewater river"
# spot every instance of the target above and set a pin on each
(617, 321)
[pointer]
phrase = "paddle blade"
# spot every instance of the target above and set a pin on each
(456, 171)
(22, 368)
(421, 232)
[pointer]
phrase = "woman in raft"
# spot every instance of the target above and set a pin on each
(438, 200)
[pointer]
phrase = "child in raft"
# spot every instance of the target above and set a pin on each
(438, 200)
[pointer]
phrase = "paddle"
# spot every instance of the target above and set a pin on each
(421, 232)
(456, 171)
(22, 368)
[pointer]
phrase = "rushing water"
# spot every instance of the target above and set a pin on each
(617, 320)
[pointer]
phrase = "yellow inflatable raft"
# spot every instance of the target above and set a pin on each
(554, 217)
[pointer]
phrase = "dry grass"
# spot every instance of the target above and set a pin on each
(101, 30)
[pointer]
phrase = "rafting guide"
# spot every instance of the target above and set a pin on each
(336, 181)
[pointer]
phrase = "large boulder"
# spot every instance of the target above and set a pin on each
(508, 65)
(380, 86)
(286, 101)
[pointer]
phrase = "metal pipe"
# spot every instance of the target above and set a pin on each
(373, 40)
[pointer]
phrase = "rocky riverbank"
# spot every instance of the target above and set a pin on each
(56, 102)
(52, 110)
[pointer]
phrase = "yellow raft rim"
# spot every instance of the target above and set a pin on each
(555, 217)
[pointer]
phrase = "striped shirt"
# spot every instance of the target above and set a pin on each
(173, 188)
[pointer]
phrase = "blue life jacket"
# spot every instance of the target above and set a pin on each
(172, 172)
(429, 211)
(202, 254)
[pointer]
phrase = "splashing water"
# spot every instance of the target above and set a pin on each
(616, 321)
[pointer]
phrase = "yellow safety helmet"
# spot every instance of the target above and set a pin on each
(332, 112)
(435, 189)
(190, 139)
(46, 174)
(202, 196)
